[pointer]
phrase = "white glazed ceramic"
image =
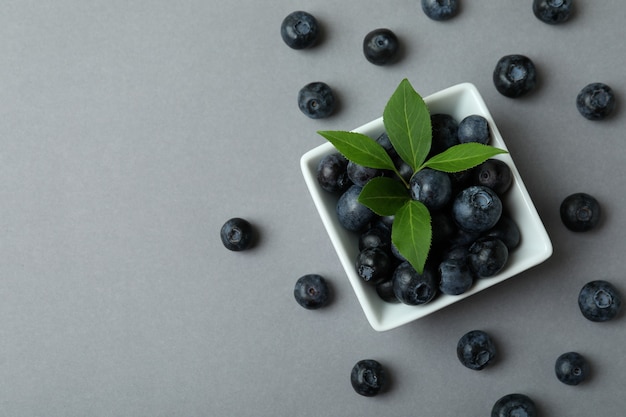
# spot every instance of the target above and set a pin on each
(535, 247)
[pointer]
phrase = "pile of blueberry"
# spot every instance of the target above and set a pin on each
(473, 234)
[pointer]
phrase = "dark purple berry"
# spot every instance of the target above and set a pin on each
(380, 46)
(596, 101)
(514, 75)
(368, 377)
(316, 100)
(237, 234)
(311, 291)
(580, 212)
(299, 30)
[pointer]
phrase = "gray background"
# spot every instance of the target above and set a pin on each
(132, 130)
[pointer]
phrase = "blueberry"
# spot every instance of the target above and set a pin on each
(455, 276)
(440, 10)
(474, 128)
(360, 175)
(552, 11)
(377, 236)
(580, 212)
(299, 30)
(316, 100)
(599, 301)
(487, 256)
(596, 101)
(493, 173)
(571, 368)
(368, 377)
(444, 132)
(373, 265)
(413, 288)
(332, 174)
(403, 168)
(514, 405)
(476, 350)
(385, 291)
(351, 214)
(380, 46)
(433, 188)
(443, 228)
(514, 75)
(507, 231)
(237, 234)
(477, 209)
(311, 291)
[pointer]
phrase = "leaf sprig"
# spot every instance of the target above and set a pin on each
(407, 122)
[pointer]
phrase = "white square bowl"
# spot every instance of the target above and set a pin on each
(535, 247)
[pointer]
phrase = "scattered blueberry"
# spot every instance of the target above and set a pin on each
(332, 174)
(474, 128)
(580, 212)
(413, 288)
(351, 214)
(373, 265)
(552, 11)
(299, 30)
(514, 405)
(599, 301)
(311, 291)
(477, 209)
(237, 234)
(368, 377)
(380, 46)
(495, 174)
(487, 256)
(571, 368)
(316, 100)
(476, 350)
(440, 9)
(431, 187)
(514, 75)
(596, 101)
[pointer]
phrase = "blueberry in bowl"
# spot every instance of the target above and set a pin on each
(525, 233)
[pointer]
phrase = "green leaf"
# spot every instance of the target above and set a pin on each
(360, 149)
(411, 233)
(407, 123)
(461, 157)
(384, 196)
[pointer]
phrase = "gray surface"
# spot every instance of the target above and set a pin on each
(131, 131)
